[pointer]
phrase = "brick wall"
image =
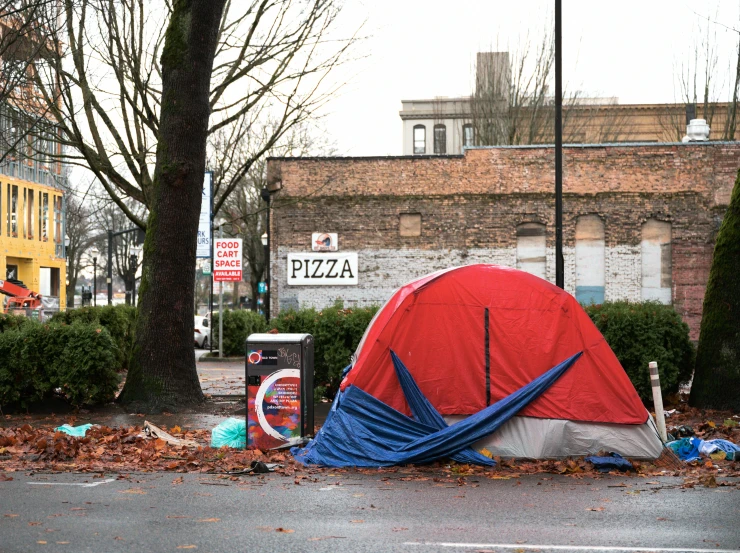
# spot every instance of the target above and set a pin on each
(471, 205)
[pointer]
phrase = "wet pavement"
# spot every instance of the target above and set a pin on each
(371, 511)
(221, 377)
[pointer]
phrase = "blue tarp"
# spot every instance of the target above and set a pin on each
(613, 461)
(362, 431)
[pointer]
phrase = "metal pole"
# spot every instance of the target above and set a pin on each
(220, 307)
(133, 261)
(657, 400)
(559, 262)
(267, 264)
(110, 267)
(95, 281)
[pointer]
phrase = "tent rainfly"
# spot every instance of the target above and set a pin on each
(475, 357)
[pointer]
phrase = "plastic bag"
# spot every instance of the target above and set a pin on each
(230, 433)
(76, 431)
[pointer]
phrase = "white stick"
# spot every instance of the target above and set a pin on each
(657, 400)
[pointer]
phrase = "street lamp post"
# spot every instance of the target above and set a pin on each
(95, 253)
(265, 194)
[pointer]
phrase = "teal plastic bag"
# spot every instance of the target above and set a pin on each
(230, 433)
(76, 431)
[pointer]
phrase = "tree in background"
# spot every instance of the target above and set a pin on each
(245, 210)
(80, 230)
(716, 382)
(138, 116)
(699, 86)
(512, 102)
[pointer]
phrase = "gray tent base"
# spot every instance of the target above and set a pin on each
(530, 438)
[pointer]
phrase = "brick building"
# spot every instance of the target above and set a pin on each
(639, 219)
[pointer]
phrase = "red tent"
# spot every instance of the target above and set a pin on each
(473, 335)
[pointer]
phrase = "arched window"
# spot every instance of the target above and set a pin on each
(440, 139)
(590, 259)
(467, 135)
(530, 249)
(656, 261)
(420, 139)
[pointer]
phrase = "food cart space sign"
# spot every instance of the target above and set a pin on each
(227, 260)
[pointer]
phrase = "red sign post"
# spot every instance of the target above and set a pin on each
(227, 260)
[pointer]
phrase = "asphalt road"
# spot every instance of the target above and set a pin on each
(374, 512)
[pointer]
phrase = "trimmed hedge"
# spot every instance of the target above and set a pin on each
(118, 320)
(337, 333)
(38, 358)
(8, 321)
(238, 324)
(642, 332)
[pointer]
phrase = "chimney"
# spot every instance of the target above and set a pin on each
(492, 74)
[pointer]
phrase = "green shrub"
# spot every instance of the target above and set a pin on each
(118, 320)
(337, 333)
(8, 321)
(85, 368)
(642, 332)
(38, 358)
(238, 324)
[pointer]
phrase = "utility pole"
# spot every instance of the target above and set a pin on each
(559, 262)
(220, 306)
(110, 267)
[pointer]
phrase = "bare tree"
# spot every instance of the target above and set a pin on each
(133, 111)
(245, 210)
(80, 230)
(512, 103)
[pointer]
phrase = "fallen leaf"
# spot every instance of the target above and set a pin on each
(137, 491)
(42, 542)
(359, 521)
(11, 515)
(399, 529)
(284, 530)
(62, 542)
(187, 547)
(595, 509)
(176, 430)
(209, 519)
(34, 523)
(5, 478)
(177, 481)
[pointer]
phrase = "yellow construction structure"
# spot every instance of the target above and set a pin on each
(32, 238)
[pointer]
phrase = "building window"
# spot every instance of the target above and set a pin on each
(58, 238)
(44, 227)
(531, 249)
(420, 139)
(30, 214)
(467, 135)
(440, 139)
(13, 208)
(590, 264)
(656, 261)
(409, 224)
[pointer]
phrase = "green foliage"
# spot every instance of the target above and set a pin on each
(642, 332)
(238, 324)
(118, 320)
(39, 358)
(8, 321)
(717, 380)
(337, 333)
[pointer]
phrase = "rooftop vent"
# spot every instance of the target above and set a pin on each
(696, 131)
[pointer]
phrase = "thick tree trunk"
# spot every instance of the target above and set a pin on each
(717, 376)
(162, 374)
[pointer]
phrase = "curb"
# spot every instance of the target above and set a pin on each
(204, 359)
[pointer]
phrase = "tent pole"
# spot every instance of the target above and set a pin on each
(559, 264)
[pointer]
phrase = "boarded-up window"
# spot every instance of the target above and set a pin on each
(656, 261)
(590, 259)
(530, 249)
(409, 224)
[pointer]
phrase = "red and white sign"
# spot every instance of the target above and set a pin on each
(227, 260)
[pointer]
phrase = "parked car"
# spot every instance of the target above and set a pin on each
(202, 334)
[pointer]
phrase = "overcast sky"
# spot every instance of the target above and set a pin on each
(426, 48)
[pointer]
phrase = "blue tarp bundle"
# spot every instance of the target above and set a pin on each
(613, 461)
(362, 431)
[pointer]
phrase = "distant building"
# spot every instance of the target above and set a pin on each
(32, 207)
(444, 126)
